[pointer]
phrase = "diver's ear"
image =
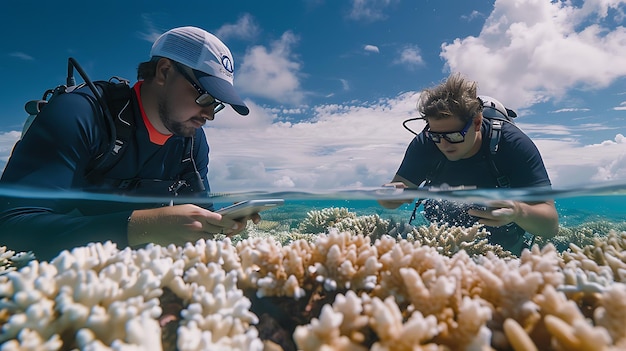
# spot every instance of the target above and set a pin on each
(163, 70)
(478, 120)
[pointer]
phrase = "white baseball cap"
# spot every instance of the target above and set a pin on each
(210, 59)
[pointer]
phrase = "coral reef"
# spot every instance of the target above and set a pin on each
(350, 287)
(9, 260)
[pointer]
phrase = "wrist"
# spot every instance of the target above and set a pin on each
(135, 233)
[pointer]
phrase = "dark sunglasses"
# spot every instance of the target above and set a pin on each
(451, 137)
(205, 99)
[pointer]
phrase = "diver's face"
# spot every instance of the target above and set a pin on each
(179, 110)
(455, 138)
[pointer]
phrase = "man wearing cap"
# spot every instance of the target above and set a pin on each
(188, 79)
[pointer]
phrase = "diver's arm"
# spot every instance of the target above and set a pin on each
(52, 156)
(538, 218)
(398, 182)
(29, 227)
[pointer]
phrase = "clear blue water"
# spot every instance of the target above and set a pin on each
(577, 206)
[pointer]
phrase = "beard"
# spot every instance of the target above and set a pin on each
(176, 127)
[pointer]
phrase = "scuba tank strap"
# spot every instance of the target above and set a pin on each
(495, 133)
(434, 172)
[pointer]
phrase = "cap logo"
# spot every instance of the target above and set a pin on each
(227, 63)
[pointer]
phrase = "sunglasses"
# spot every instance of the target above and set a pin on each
(451, 137)
(204, 99)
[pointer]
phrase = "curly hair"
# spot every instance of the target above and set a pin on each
(456, 97)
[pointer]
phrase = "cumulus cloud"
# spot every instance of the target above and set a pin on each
(532, 51)
(272, 73)
(245, 28)
(410, 57)
(570, 163)
(330, 147)
(371, 48)
(343, 146)
(338, 147)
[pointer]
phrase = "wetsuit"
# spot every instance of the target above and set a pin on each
(57, 153)
(517, 158)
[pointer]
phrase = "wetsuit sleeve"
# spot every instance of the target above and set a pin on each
(53, 155)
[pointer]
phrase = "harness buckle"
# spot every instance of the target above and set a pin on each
(179, 184)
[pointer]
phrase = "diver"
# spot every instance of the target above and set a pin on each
(469, 141)
(159, 149)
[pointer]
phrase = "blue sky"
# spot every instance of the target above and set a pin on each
(329, 83)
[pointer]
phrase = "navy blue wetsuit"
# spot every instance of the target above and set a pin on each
(56, 154)
(517, 158)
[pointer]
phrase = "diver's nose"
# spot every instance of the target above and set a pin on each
(208, 113)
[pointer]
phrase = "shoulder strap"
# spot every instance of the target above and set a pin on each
(495, 133)
(118, 97)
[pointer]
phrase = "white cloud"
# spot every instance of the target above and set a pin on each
(411, 57)
(369, 10)
(341, 146)
(570, 110)
(347, 146)
(272, 73)
(344, 84)
(530, 51)
(569, 163)
(344, 146)
(244, 28)
(22, 56)
(371, 48)
(151, 32)
(472, 16)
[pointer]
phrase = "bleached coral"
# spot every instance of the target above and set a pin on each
(342, 290)
(10, 260)
(320, 221)
(372, 226)
(98, 295)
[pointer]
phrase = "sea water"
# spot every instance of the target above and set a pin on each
(593, 209)
(576, 206)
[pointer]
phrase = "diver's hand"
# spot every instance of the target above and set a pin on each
(180, 224)
(395, 203)
(498, 213)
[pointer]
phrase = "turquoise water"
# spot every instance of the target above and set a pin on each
(575, 205)
(592, 211)
(600, 207)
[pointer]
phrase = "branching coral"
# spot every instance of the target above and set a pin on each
(346, 289)
(319, 221)
(450, 240)
(98, 295)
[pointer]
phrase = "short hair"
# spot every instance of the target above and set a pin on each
(147, 70)
(455, 97)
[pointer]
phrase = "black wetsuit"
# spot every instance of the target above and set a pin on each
(56, 154)
(517, 158)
